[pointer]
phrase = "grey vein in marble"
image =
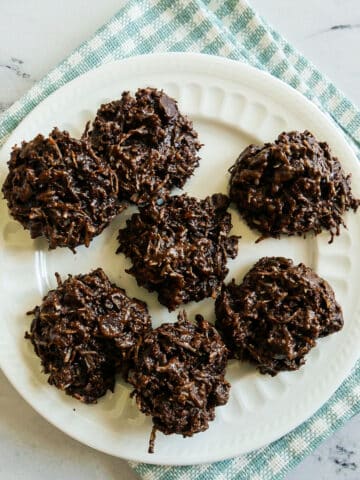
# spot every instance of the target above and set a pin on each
(4, 106)
(336, 28)
(344, 458)
(15, 65)
(347, 26)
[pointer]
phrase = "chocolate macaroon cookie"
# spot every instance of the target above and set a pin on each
(58, 188)
(292, 186)
(180, 248)
(274, 317)
(147, 141)
(85, 331)
(178, 377)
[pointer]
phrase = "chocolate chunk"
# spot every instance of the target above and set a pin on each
(85, 331)
(57, 188)
(275, 316)
(178, 377)
(146, 140)
(180, 248)
(292, 186)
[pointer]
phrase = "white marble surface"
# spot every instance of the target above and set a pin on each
(35, 36)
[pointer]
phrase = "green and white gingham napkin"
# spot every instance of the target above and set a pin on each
(232, 29)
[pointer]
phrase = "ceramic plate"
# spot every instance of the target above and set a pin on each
(231, 105)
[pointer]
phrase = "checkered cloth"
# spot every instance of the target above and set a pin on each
(232, 29)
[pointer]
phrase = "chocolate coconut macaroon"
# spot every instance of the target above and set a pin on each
(179, 248)
(147, 141)
(291, 187)
(274, 317)
(178, 376)
(85, 331)
(58, 188)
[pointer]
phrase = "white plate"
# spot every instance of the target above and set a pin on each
(231, 105)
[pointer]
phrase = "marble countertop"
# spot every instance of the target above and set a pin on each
(35, 36)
